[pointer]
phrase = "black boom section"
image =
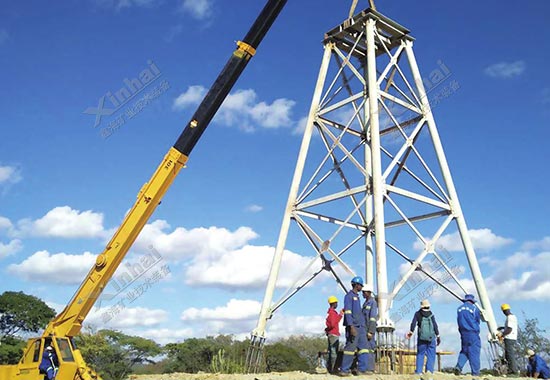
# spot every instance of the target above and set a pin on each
(227, 78)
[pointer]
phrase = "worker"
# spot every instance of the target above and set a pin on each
(356, 336)
(333, 332)
(49, 364)
(370, 311)
(510, 335)
(468, 318)
(427, 337)
(536, 366)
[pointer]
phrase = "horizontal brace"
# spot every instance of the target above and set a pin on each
(332, 197)
(417, 197)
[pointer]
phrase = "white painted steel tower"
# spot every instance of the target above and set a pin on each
(372, 177)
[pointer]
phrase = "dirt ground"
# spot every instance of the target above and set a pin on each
(303, 376)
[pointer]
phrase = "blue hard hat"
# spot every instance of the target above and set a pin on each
(357, 280)
(470, 297)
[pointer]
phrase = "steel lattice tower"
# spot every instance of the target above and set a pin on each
(372, 173)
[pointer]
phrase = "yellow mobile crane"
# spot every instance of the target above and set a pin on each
(64, 327)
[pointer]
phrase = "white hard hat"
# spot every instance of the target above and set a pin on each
(367, 288)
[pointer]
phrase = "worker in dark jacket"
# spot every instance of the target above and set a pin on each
(356, 335)
(468, 318)
(370, 310)
(49, 364)
(333, 332)
(536, 366)
(427, 339)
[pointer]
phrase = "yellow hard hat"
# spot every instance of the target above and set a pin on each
(504, 306)
(332, 299)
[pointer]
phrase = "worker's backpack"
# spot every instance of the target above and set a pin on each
(427, 330)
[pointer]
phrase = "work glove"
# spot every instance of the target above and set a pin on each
(438, 340)
(409, 335)
(353, 331)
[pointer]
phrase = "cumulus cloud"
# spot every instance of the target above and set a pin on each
(243, 109)
(64, 222)
(126, 318)
(217, 256)
(254, 208)
(521, 276)
(239, 317)
(227, 270)
(5, 223)
(9, 174)
(199, 9)
(121, 4)
(182, 243)
(10, 248)
(543, 244)
(506, 70)
(191, 97)
(483, 240)
(59, 268)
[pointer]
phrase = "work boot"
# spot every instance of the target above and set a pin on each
(344, 374)
(365, 373)
(457, 371)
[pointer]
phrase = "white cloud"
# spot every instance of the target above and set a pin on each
(199, 9)
(166, 335)
(182, 243)
(191, 97)
(64, 222)
(5, 223)
(243, 109)
(521, 276)
(3, 36)
(10, 248)
(483, 240)
(234, 310)
(506, 69)
(128, 317)
(9, 175)
(543, 244)
(59, 268)
(120, 4)
(239, 317)
(254, 208)
(300, 126)
(226, 270)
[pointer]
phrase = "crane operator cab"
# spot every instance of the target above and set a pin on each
(53, 357)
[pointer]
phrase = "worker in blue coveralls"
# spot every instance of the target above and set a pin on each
(49, 364)
(356, 335)
(468, 318)
(427, 338)
(536, 366)
(370, 311)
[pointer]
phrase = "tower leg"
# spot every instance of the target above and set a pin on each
(454, 202)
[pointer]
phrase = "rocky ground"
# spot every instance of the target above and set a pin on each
(303, 376)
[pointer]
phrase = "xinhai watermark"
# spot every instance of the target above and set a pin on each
(113, 101)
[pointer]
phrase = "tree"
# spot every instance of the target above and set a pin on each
(113, 354)
(282, 358)
(531, 336)
(20, 312)
(307, 347)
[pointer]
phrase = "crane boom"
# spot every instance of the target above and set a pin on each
(69, 322)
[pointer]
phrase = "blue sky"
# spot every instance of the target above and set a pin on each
(65, 185)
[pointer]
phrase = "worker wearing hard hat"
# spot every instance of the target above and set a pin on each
(333, 332)
(49, 364)
(510, 336)
(356, 335)
(536, 366)
(370, 311)
(468, 318)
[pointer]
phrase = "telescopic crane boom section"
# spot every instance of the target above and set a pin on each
(69, 322)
